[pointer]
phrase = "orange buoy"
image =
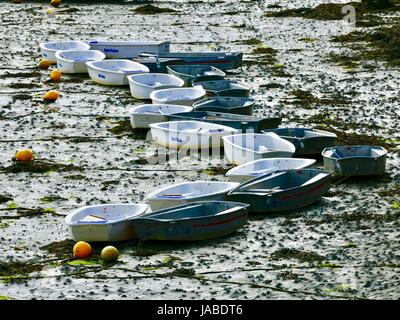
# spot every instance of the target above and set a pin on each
(55, 75)
(25, 155)
(51, 96)
(82, 250)
(55, 3)
(44, 64)
(109, 254)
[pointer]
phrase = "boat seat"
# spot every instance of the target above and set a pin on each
(312, 180)
(230, 210)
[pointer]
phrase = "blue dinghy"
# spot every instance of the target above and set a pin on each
(355, 160)
(191, 222)
(227, 88)
(240, 122)
(189, 73)
(235, 105)
(221, 60)
(282, 190)
(306, 140)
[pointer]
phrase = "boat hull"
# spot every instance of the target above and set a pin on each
(287, 200)
(221, 60)
(210, 227)
(226, 119)
(128, 49)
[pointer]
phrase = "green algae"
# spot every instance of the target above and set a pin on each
(307, 100)
(39, 166)
(303, 256)
(150, 9)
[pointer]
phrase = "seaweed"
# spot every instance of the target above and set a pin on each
(333, 11)
(39, 166)
(150, 9)
(5, 198)
(252, 42)
(271, 85)
(383, 42)
(216, 170)
(307, 100)
(27, 212)
(303, 256)
(13, 268)
(122, 126)
(51, 198)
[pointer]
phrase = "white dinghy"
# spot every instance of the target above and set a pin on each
(109, 222)
(259, 167)
(74, 61)
(189, 134)
(182, 96)
(242, 148)
(142, 85)
(144, 115)
(114, 72)
(187, 192)
(128, 49)
(49, 49)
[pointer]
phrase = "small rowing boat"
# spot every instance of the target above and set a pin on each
(259, 167)
(282, 190)
(109, 222)
(355, 160)
(114, 72)
(142, 85)
(186, 192)
(74, 61)
(192, 222)
(242, 148)
(189, 134)
(306, 140)
(128, 49)
(235, 105)
(49, 49)
(190, 73)
(181, 96)
(144, 115)
(240, 122)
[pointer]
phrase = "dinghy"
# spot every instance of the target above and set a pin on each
(228, 88)
(192, 222)
(235, 105)
(74, 61)
(186, 192)
(158, 65)
(189, 134)
(242, 148)
(307, 141)
(49, 49)
(240, 122)
(181, 96)
(109, 222)
(189, 73)
(128, 49)
(221, 60)
(114, 72)
(257, 168)
(142, 85)
(144, 115)
(282, 190)
(355, 160)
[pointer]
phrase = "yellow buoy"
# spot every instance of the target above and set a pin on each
(25, 155)
(55, 75)
(51, 95)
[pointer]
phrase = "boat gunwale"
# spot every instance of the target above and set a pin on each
(385, 152)
(142, 208)
(225, 139)
(242, 205)
(182, 83)
(241, 166)
(151, 196)
(276, 173)
(168, 129)
(90, 64)
(59, 57)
